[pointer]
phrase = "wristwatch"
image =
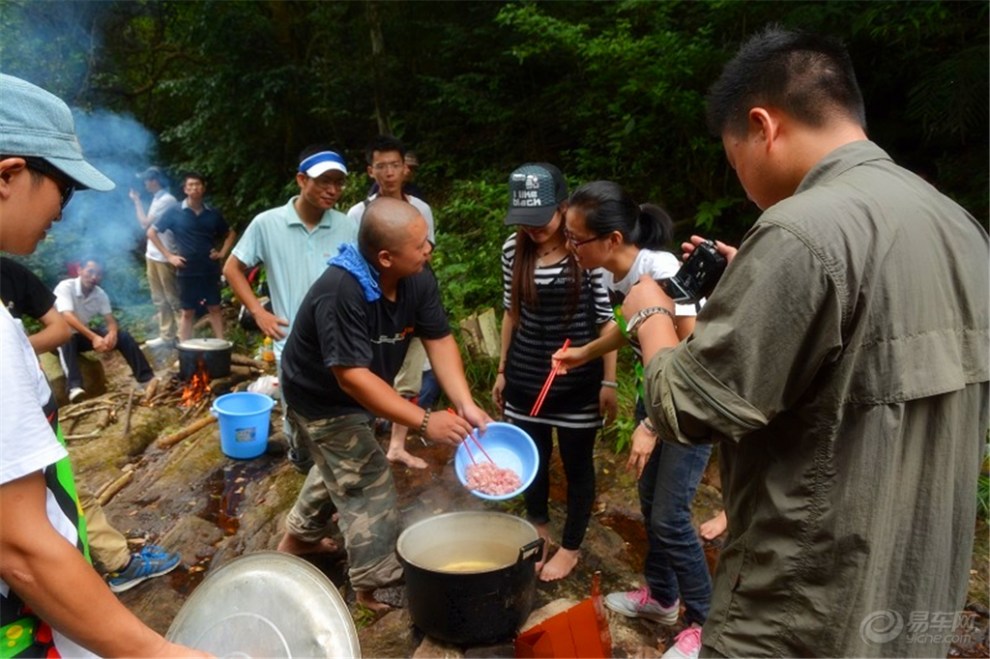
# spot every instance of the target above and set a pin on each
(632, 327)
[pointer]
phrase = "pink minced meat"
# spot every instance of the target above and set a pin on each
(490, 479)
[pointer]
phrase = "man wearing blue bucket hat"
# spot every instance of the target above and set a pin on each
(43, 541)
(348, 341)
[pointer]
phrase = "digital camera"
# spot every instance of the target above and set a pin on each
(697, 277)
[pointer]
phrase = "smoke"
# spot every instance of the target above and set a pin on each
(54, 45)
(105, 224)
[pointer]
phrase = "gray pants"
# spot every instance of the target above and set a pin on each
(352, 474)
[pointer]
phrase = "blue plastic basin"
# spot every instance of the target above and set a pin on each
(509, 446)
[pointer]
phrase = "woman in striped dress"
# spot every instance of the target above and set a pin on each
(549, 299)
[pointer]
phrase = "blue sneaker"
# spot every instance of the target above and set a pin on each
(152, 561)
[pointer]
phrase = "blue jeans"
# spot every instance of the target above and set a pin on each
(675, 562)
(429, 391)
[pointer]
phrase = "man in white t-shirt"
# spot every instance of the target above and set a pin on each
(44, 571)
(386, 157)
(162, 278)
(81, 301)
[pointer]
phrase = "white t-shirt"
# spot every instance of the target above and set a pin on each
(161, 203)
(69, 297)
(656, 264)
(27, 443)
(357, 210)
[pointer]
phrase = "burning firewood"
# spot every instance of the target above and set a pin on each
(192, 428)
(197, 387)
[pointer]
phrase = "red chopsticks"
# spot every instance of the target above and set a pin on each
(546, 385)
(476, 441)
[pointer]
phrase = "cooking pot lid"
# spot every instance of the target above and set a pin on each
(267, 604)
(206, 344)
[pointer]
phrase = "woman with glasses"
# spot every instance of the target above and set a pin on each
(607, 229)
(549, 299)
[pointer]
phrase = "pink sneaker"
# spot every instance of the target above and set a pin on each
(687, 645)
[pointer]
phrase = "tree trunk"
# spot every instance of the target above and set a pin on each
(378, 66)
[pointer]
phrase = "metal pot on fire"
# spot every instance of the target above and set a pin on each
(212, 354)
(470, 576)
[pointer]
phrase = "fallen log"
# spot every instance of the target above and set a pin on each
(194, 427)
(116, 486)
(237, 375)
(244, 360)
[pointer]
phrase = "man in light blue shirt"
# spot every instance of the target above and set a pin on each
(294, 242)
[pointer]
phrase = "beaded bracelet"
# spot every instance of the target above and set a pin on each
(422, 426)
(646, 423)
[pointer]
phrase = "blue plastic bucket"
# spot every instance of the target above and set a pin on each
(243, 417)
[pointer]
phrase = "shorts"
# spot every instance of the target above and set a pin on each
(199, 292)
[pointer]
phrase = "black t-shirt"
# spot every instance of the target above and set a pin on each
(194, 236)
(336, 326)
(22, 292)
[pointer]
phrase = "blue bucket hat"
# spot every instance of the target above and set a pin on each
(36, 123)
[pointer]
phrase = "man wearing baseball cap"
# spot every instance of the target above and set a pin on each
(45, 572)
(294, 242)
(162, 280)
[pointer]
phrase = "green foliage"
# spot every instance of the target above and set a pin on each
(983, 495)
(470, 232)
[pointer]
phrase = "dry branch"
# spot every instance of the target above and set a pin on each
(149, 393)
(177, 437)
(114, 487)
(104, 419)
(86, 435)
(127, 414)
(78, 410)
(195, 410)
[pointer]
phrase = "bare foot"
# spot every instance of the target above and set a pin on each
(292, 545)
(400, 454)
(561, 565)
(366, 598)
(543, 532)
(714, 527)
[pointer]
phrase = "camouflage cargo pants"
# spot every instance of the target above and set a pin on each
(352, 474)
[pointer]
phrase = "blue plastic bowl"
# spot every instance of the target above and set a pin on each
(509, 446)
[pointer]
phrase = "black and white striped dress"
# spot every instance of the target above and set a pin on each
(572, 401)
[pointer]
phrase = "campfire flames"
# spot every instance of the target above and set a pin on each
(197, 387)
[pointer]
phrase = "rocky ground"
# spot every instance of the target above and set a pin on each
(191, 498)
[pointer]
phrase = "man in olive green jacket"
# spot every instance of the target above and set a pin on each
(842, 364)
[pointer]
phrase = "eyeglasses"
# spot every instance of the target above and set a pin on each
(391, 166)
(65, 187)
(327, 183)
(574, 242)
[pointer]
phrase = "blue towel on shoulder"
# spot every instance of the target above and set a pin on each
(350, 259)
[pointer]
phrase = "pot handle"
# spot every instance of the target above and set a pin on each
(531, 552)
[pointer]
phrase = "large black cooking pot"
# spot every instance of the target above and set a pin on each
(470, 576)
(213, 354)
